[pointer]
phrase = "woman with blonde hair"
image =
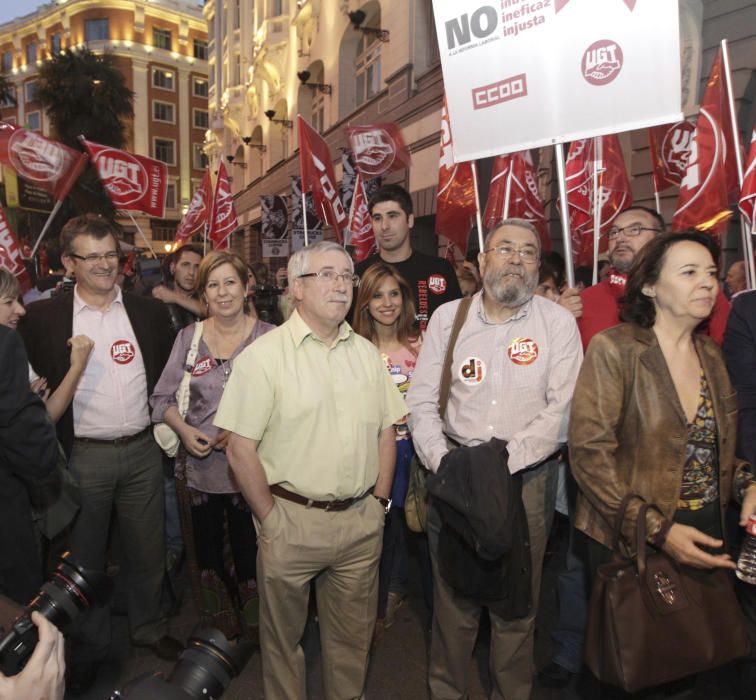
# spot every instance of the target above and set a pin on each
(217, 523)
(385, 315)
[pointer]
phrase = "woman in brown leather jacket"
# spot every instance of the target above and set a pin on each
(654, 413)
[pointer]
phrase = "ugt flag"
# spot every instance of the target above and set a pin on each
(133, 183)
(39, 160)
(10, 255)
(223, 221)
(318, 177)
(378, 149)
(198, 213)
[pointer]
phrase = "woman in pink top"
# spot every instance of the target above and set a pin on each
(385, 315)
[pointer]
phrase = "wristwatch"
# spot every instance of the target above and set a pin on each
(385, 502)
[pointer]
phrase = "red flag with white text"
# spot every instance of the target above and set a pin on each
(670, 149)
(455, 200)
(748, 191)
(614, 193)
(361, 235)
(43, 162)
(133, 183)
(198, 213)
(318, 177)
(223, 221)
(711, 178)
(10, 254)
(378, 149)
(524, 200)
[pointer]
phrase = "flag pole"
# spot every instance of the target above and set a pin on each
(657, 200)
(304, 216)
(50, 218)
(479, 221)
(144, 238)
(597, 170)
(565, 215)
(204, 240)
(508, 188)
(746, 236)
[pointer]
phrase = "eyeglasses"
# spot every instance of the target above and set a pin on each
(629, 231)
(331, 276)
(112, 256)
(527, 255)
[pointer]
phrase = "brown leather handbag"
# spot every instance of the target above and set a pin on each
(652, 621)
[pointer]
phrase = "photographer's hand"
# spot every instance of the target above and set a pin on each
(43, 676)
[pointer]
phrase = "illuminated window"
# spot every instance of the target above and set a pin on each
(31, 54)
(97, 29)
(56, 43)
(162, 79)
(30, 91)
(161, 38)
(199, 87)
(7, 61)
(199, 159)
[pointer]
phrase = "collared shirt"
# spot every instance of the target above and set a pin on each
(111, 398)
(317, 410)
(512, 380)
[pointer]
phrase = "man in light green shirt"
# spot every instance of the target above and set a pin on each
(311, 410)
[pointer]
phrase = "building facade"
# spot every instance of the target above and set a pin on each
(161, 47)
(259, 51)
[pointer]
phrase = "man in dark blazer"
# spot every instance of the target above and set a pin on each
(740, 354)
(106, 429)
(28, 453)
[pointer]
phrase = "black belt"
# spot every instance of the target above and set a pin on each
(343, 504)
(115, 442)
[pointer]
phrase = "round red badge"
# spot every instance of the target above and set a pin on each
(122, 352)
(437, 284)
(202, 366)
(523, 351)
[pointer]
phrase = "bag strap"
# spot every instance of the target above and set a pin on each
(617, 532)
(182, 395)
(446, 373)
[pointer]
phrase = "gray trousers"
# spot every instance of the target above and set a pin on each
(456, 619)
(126, 479)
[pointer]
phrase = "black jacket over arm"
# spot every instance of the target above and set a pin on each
(28, 452)
(740, 355)
(48, 325)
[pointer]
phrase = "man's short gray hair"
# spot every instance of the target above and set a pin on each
(299, 263)
(522, 223)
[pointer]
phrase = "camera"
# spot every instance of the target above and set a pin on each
(204, 670)
(265, 300)
(71, 590)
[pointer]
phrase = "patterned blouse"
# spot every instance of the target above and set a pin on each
(700, 483)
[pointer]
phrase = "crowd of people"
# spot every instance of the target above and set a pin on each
(298, 444)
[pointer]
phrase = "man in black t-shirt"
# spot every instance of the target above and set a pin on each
(432, 279)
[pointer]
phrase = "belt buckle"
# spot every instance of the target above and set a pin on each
(329, 506)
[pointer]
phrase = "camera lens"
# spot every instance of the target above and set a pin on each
(72, 589)
(209, 663)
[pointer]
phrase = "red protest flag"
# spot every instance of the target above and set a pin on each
(711, 175)
(46, 163)
(133, 183)
(223, 221)
(455, 200)
(361, 235)
(748, 191)
(318, 177)
(198, 213)
(378, 149)
(524, 200)
(614, 194)
(670, 149)
(10, 255)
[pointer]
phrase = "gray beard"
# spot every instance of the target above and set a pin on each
(510, 293)
(622, 265)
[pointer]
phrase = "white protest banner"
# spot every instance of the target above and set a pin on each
(522, 74)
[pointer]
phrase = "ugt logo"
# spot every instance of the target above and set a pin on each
(479, 24)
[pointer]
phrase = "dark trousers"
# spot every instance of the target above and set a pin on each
(127, 480)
